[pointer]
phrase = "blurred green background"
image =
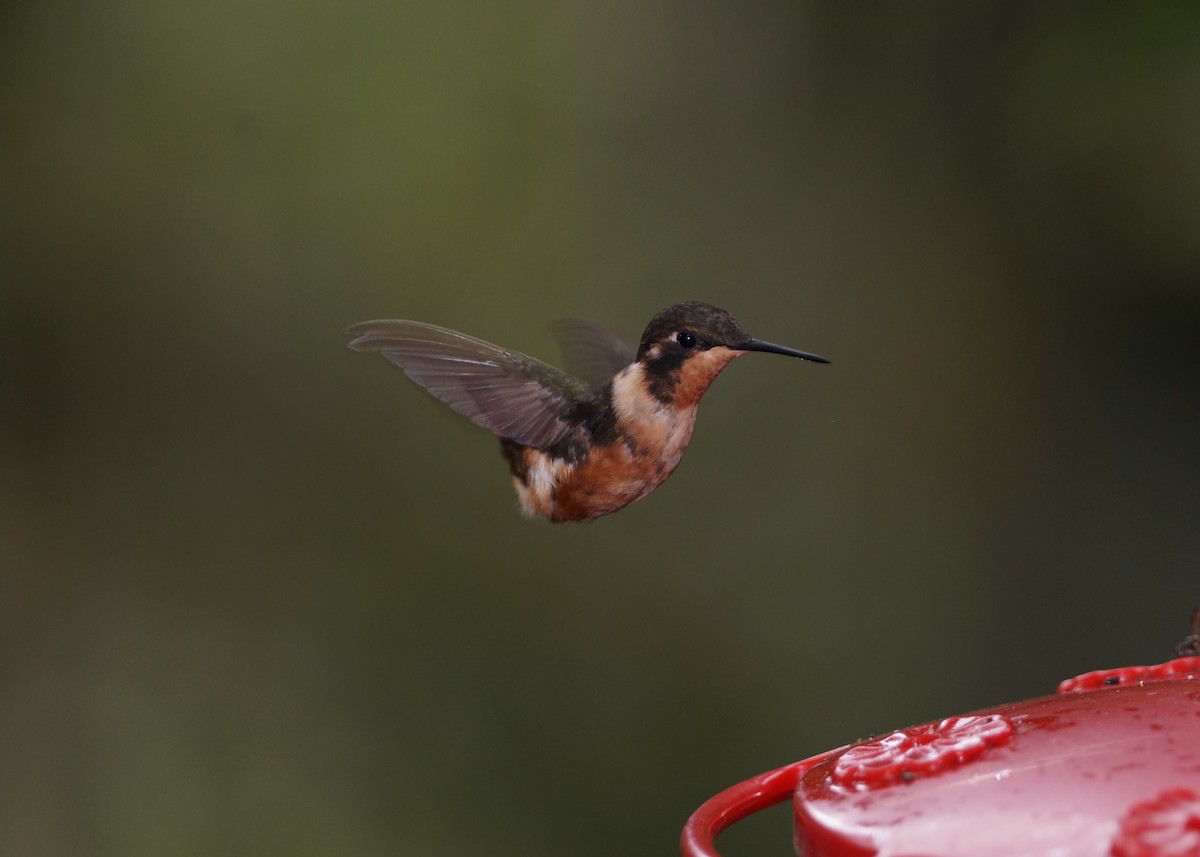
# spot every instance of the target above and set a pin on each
(261, 595)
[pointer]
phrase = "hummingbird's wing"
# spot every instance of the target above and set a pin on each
(592, 351)
(512, 394)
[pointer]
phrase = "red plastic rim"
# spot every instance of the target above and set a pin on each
(737, 802)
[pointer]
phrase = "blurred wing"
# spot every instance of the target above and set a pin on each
(592, 351)
(512, 394)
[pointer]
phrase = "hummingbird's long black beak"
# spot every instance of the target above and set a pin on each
(771, 347)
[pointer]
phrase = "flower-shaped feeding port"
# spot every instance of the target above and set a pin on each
(920, 750)
(1179, 668)
(1165, 826)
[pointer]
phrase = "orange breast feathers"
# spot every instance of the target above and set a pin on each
(653, 436)
(698, 372)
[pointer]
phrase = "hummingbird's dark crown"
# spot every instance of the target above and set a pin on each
(709, 324)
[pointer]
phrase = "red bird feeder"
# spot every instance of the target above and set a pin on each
(1108, 767)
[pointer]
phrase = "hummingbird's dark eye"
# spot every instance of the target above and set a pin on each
(685, 339)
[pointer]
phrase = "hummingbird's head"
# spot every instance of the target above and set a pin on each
(686, 346)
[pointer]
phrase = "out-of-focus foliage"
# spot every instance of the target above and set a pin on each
(263, 596)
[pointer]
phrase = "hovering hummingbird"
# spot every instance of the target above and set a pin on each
(578, 447)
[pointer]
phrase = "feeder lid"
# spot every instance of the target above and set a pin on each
(1110, 767)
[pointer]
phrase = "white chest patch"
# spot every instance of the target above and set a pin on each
(659, 429)
(545, 474)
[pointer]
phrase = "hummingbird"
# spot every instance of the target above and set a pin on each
(579, 446)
